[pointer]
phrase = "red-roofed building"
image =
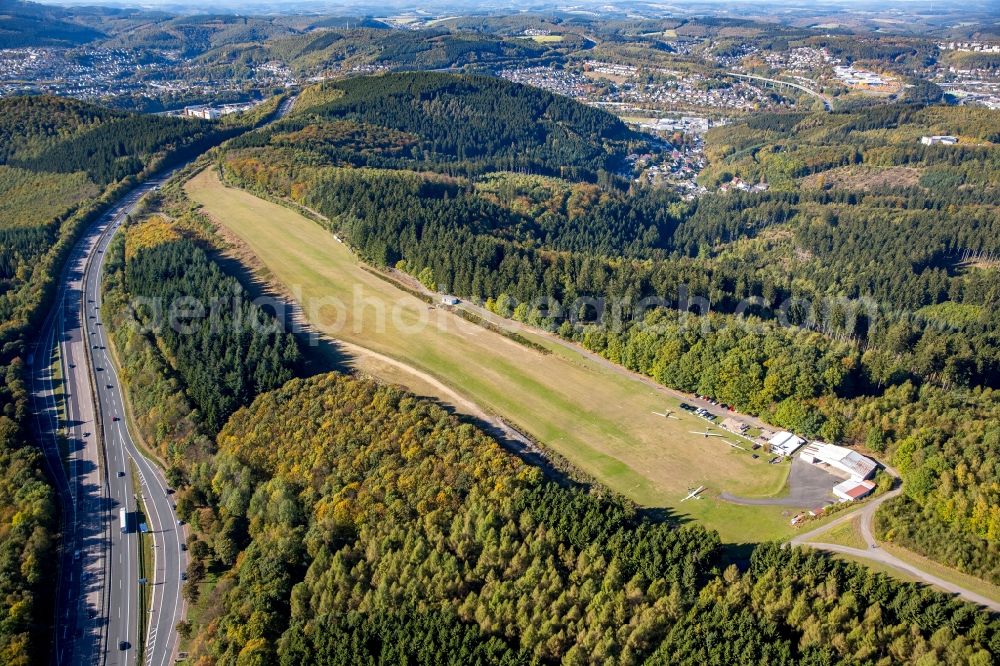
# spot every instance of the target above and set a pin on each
(851, 490)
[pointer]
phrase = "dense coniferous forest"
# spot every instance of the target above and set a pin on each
(463, 124)
(61, 135)
(56, 155)
(872, 308)
(224, 349)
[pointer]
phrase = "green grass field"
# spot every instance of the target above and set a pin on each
(599, 420)
(845, 534)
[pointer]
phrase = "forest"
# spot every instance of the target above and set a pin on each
(467, 124)
(57, 155)
(822, 304)
(223, 351)
(225, 354)
(373, 526)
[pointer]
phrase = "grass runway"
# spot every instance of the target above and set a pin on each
(600, 421)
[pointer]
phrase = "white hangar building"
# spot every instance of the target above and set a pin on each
(851, 463)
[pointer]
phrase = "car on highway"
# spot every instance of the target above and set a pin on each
(123, 645)
(107, 385)
(121, 473)
(115, 418)
(99, 368)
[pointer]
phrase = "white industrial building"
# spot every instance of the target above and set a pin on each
(856, 466)
(939, 139)
(203, 112)
(785, 443)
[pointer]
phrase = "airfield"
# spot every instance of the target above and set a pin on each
(630, 436)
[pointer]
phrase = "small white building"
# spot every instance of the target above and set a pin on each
(851, 463)
(851, 489)
(942, 139)
(450, 300)
(785, 443)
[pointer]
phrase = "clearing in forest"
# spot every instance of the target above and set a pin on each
(600, 421)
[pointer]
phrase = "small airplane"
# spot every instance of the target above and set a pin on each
(706, 433)
(669, 414)
(694, 494)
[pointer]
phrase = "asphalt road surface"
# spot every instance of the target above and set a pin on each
(81, 422)
(872, 551)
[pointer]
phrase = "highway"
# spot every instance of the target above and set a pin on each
(81, 424)
(97, 606)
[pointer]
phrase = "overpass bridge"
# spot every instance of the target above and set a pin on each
(827, 104)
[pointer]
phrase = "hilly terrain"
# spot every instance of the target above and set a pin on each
(336, 519)
(873, 324)
(463, 338)
(462, 124)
